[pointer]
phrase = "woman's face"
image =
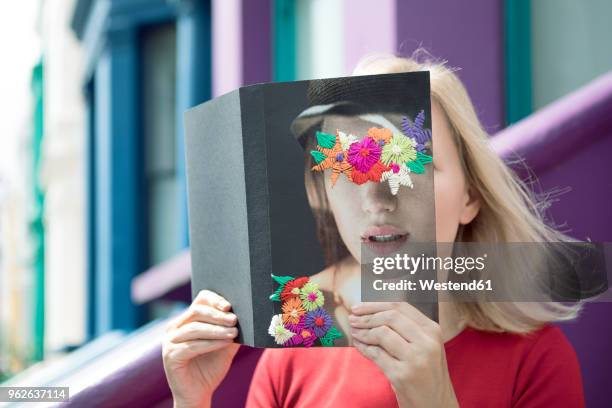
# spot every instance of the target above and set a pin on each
(431, 211)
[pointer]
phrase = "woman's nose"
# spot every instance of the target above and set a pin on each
(377, 198)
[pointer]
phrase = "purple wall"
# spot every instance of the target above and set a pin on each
(474, 42)
(241, 44)
(257, 41)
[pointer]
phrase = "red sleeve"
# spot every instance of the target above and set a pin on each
(550, 375)
(263, 389)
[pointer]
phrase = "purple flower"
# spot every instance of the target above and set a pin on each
(416, 131)
(296, 327)
(305, 337)
(308, 337)
(319, 321)
(295, 340)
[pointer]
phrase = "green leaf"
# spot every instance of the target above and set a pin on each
(326, 140)
(318, 156)
(423, 158)
(330, 336)
(281, 280)
(415, 167)
(276, 295)
(326, 342)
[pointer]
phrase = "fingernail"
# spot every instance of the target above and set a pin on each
(231, 317)
(223, 304)
(356, 307)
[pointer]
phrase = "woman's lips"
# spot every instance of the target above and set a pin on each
(384, 239)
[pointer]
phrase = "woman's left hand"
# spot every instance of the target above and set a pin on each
(408, 347)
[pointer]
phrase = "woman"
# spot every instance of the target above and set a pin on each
(479, 354)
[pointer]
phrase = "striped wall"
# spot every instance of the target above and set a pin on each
(326, 38)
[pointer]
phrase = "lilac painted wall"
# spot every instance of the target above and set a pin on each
(241, 44)
(359, 42)
(257, 41)
(469, 35)
(226, 46)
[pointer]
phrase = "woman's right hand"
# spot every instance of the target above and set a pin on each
(198, 349)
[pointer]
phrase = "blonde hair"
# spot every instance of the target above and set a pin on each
(510, 211)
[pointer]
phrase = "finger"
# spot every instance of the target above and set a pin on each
(404, 307)
(203, 313)
(173, 322)
(188, 350)
(178, 320)
(210, 298)
(203, 331)
(374, 353)
(386, 339)
(207, 314)
(398, 322)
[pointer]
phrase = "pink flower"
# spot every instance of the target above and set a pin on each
(303, 336)
(364, 154)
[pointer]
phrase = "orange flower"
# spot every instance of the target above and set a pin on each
(341, 167)
(292, 311)
(379, 134)
(331, 156)
(336, 160)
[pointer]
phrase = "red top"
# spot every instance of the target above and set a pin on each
(487, 369)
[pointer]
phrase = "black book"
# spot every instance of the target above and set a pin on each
(252, 229)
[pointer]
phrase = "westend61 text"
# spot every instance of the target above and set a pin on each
(432, 284)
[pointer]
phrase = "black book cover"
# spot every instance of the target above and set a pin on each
(249, 213)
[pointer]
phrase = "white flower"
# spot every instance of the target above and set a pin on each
(346, 140)
(399, 176)
(277, 330)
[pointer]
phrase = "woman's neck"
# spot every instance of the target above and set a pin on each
(450, 321)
